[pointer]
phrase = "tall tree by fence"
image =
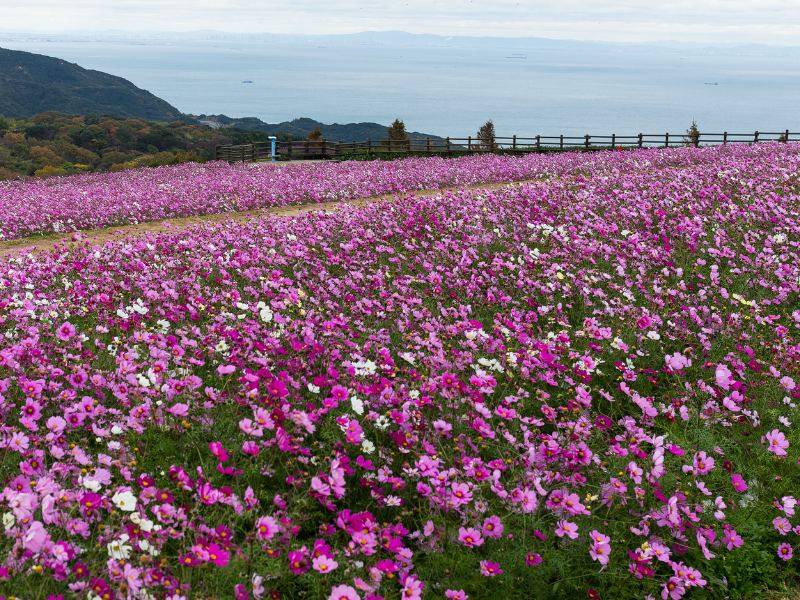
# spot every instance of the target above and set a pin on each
(486, 136)
(397, 137)
(692, 137)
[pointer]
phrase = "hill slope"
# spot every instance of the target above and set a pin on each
(300, 128)
(33, 83)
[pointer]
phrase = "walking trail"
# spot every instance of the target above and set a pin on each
(43, 243)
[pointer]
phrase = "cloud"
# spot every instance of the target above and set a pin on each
(776, 21)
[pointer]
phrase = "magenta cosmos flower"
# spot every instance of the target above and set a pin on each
(490, 569)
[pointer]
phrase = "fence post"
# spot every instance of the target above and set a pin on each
(613, 141)
(538, 143)
(587, 141)
(561, 142)
(755, 137)
(666, 139)
(640, 140)
(514, 142)
(429, 144)
(724, 138)
(469, 143)
(447, 145)
(786, 139)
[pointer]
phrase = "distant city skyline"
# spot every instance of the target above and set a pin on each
(747, 21)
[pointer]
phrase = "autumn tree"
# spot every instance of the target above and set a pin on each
(315, 135)
(486, 136)
(397, 137)
(692, 137)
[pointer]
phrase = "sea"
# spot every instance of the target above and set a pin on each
(449, 86)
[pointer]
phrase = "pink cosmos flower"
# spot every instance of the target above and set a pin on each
(344, 592)
(493, 527)
(412, 588)
(672, 589)
(179, 410)
(566, 528)
(785, 552)
(600, 549)
(777, 442)
(703, 464)
(782, 525)
(470, 537)
(219, 452)
(66, 331)
(266, 527)
(532, 559)
(731, 539)
(677, 362)
(456, 595)
(724, 377)
(490, 569)
(324, 564)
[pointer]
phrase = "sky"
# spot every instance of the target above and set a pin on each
(747, 21)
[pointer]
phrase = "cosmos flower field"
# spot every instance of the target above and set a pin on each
(64, 204)
(582, 386)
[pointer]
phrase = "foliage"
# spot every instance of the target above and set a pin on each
(397, 137)
(486, 136)
(73, 144)
(315, 135)
(692, 137)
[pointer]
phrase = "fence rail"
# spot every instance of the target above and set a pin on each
(310, 149)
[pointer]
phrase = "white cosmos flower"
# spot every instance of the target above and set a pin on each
(357, 404)
(266, 314)
(124, 501)
(91, 484)
(119, 549)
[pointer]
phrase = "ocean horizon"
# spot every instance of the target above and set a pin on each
(451, 85)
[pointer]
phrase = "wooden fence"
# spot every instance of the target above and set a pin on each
(309, 149)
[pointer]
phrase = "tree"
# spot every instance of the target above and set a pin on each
(315, 135)
(486, 136)
(692, 137)
(397, 136)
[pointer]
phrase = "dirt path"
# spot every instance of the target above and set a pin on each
(46, 242)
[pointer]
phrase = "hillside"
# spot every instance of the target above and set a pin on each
(33, 83)
(300, 128)
(58, 144)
